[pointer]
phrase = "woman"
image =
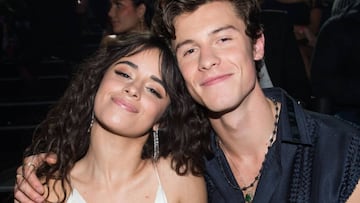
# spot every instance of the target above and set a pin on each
(116, 131)
(128, 16)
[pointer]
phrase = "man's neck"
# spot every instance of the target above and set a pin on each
(246, 130)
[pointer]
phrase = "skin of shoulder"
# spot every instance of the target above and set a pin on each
(53, 191)
(355, 196)
(186, 188)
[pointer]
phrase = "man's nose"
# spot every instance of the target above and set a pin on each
(208, 59)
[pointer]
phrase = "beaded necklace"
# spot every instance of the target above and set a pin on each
(248, 196)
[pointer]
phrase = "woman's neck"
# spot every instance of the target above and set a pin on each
(111, 157)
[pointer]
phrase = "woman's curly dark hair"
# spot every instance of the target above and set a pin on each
(168, 10)
(184, 129)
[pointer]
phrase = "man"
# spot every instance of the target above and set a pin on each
(260, 153)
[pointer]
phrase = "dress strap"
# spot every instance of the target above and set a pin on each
(157, 174)
(75, 197)
(160, 193)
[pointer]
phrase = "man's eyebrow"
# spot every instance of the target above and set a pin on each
(228, 27)
(179, 45)
(189, 41)
(129, 63)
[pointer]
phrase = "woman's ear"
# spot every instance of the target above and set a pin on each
(140, 11)
(258, 48)
(156, 127)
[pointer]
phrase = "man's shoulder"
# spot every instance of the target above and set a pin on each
(332, 135)
(330, 122)
(336, 148)
(314, 125)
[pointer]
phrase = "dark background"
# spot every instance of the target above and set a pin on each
(41, 43)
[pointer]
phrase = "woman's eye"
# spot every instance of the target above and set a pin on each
(154, 92)
(122, 74)
(117, 4)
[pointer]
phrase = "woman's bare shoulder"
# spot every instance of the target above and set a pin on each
(181, 188)
(54, 192)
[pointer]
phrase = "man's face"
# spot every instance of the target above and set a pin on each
(215, 55)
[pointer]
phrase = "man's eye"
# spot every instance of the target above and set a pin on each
(225, 39)
(122, 74)
(190, 51)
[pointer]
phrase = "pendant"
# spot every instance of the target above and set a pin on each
(248, 198)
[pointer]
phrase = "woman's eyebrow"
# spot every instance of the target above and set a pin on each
(129, 63)
(132, 65)
(158, 80)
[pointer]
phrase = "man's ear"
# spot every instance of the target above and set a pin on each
(259, 48)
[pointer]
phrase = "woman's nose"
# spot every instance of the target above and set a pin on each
(132, 90)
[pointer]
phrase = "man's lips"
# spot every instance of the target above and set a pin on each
(125, 105)
(214, 80)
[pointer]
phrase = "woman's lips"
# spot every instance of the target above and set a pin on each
(125, 105)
